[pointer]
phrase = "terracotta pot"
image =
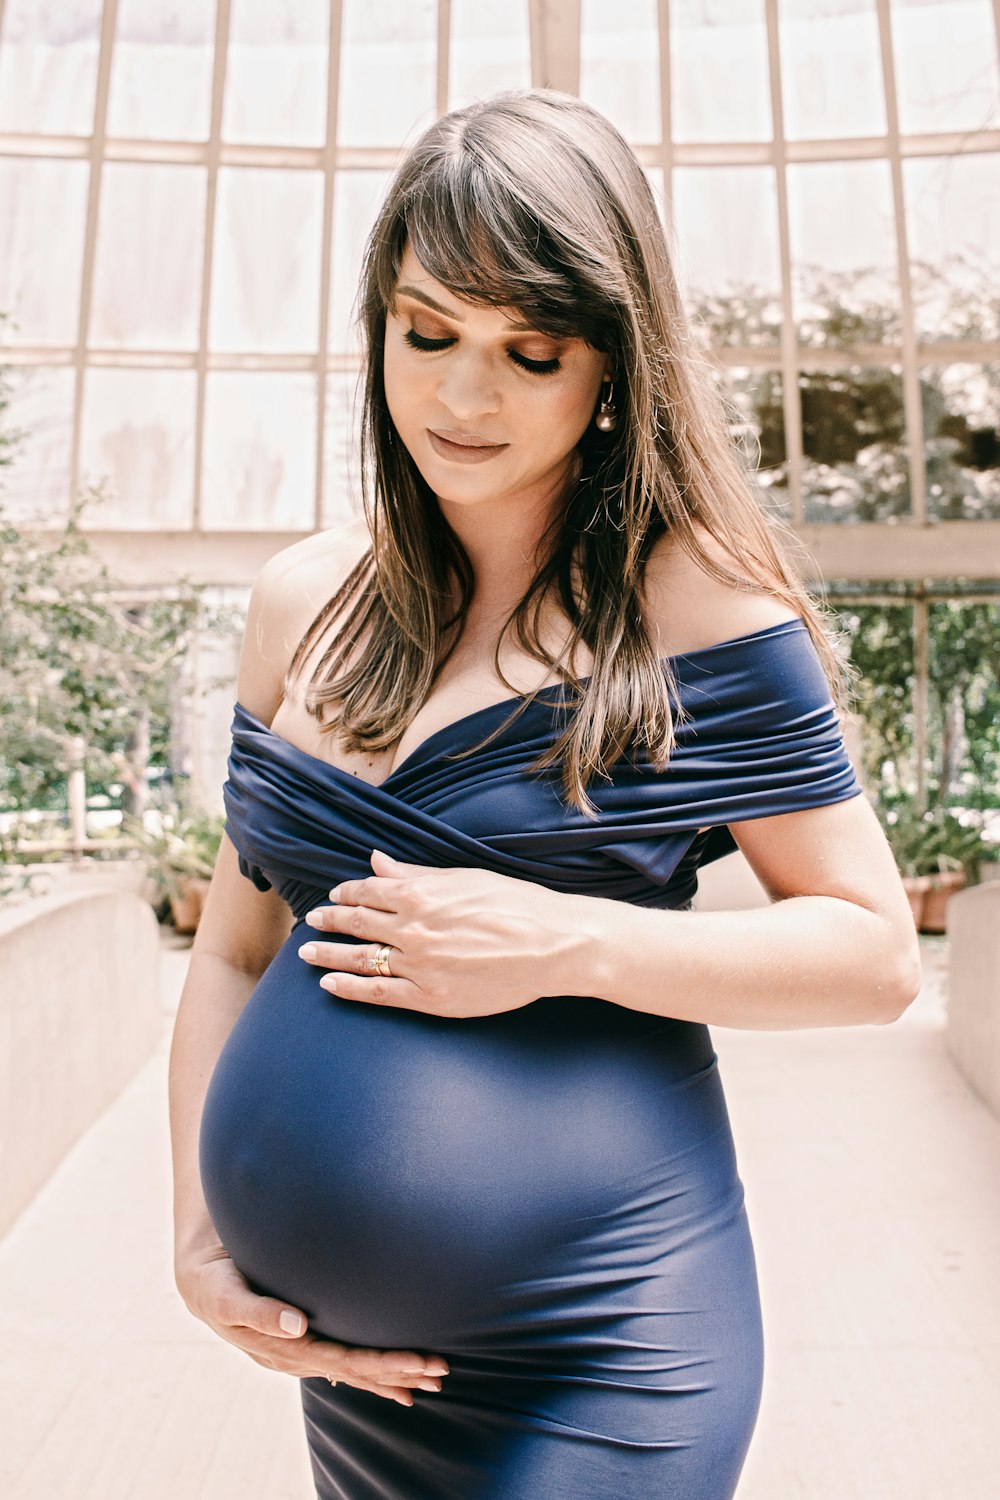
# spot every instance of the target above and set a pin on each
(941, 887)
(187, 901)
(916, 887)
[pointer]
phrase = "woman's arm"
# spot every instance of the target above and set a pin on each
(836, 948)
(240, 931)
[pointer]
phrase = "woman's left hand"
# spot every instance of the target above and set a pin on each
(464, 942)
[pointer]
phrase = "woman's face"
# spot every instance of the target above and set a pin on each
(487, 407)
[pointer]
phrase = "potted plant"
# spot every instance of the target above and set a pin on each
(181, 853)
(937, 854)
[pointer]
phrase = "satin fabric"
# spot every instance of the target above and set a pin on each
(549, 1197)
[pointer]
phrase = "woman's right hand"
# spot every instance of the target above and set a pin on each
(277, 1337)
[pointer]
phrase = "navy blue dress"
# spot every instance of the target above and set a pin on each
(549, 1197)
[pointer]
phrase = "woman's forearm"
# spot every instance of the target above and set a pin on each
(803, 961)
(213, 997)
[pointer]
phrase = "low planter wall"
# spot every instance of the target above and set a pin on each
(974, 987)
(80, 1012)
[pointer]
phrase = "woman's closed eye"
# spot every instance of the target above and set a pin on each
(429, 346)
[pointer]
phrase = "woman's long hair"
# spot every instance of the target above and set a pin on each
(533, 201)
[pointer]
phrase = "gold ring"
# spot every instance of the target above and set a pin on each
(380, 963)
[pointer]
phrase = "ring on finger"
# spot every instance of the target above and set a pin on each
(380, 961)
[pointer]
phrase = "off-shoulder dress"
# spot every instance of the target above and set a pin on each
(549, 1197)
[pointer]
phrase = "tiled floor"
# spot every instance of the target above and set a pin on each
(872, 1178)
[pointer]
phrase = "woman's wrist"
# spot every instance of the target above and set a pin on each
(606, 959)
(196, 1241)
(585, 957)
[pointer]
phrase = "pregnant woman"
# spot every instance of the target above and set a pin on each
(450, 1142)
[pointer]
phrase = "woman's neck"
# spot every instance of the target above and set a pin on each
(503, 541)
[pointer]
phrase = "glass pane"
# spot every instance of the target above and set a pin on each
(620, 64)
(341, 458)
(823, 43)
(266, 267)
(356, 199)
(854, 447)
(40, 270)
(388, 68)
(276, 72)
(961, 407)
(726, 222)
(490, 48)
(758, 425)
(150, 239)
(946, 65)
(845, 279)
(260, 452)
(719, 71)
(953, 225)
(35, 485)
(161, 70)
(881, 637)
(48, 66)
(963, 740)
(654, 176)
(138, 437)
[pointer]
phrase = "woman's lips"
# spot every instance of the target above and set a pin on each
(463, 453)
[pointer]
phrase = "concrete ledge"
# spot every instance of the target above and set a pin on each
(974, 988)
(79, 1013)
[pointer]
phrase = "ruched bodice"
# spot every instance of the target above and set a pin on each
(761, 737)
(548, 1197)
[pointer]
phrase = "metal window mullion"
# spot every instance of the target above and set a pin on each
(885, 601)
(921, 696)
(326, 252)
(791, 400)
(554, 32)
(219, 64)
(666, 151)
(380, 158)
(755, 356)
(443, 65)
(95, 155)
(912, 406)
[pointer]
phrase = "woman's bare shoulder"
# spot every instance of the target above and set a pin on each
(688, 608)
(291, 589)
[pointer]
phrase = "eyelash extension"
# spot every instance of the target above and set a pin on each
(535, 366)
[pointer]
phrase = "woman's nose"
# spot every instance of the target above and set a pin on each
(468, 388)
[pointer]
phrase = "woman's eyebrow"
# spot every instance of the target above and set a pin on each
(414, 291)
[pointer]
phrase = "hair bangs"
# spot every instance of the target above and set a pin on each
(481, 239)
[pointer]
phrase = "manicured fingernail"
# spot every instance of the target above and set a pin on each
(335, 893)
(314, 918)
(329, 984)
(437, 1368)
(291, 1322)
(308, 951)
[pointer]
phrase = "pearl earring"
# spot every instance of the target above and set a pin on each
(606, 419)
